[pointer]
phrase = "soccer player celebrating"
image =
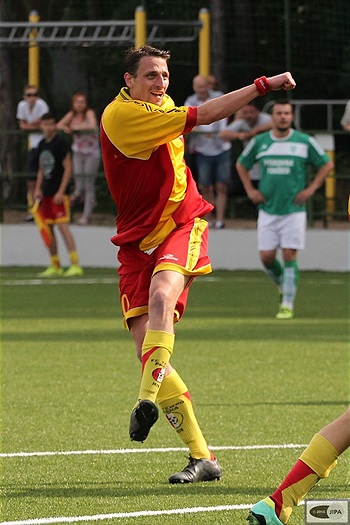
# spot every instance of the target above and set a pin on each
(161, 233)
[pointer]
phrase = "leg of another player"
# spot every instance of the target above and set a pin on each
(290, 281)
(54, 270)
(220, 204)
(338, 432)
(74, 269)
(272, 268)
(315, 463)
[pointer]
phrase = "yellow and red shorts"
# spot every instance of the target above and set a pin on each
(55, 213)
(184, 251)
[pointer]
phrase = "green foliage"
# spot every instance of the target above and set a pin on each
(70, 378)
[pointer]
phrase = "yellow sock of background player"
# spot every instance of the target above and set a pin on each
(74, 257)
(175, 402)
(156, 351)
(316, 462)
(55, 261)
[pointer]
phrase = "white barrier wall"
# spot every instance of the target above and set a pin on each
(229, 249)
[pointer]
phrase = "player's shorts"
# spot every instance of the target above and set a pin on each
(185, 251)
(281, 231)
(213, 169)
(55, 213)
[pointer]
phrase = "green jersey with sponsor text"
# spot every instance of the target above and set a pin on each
(283, 167)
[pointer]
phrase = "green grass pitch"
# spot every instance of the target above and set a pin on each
(70, 379)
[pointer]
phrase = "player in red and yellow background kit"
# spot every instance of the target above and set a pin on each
(161, 233)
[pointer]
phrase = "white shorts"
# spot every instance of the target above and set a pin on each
(281, 231)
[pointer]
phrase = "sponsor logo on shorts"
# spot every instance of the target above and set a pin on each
(169, 256)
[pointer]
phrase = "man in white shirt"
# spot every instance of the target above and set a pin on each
(29, 113)
(213, 155)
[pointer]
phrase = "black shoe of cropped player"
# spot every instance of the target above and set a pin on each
(198, 470)
(142, 419)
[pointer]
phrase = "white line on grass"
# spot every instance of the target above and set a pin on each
(136, 514)
(143, 450)
(38, 282)
(113, 280)
(141, 513)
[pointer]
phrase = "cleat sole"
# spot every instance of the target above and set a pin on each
(143, 417)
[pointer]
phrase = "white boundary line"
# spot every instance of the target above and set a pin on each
(141, 513)
(114, 280)
(142, 451)
(136, 514)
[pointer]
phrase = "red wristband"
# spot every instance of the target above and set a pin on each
(262, 85)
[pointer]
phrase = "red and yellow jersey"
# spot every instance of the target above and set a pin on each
(143, 157)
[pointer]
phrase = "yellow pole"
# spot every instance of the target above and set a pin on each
(330, 187)
(326, 140)
(140, 26)
(33, 52)
(204, 43)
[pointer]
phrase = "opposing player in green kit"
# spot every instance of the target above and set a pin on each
(284, 155)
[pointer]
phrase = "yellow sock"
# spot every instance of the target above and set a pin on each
(320, 455)
(73, 257)
(30, 201)
(55, 261)
(316, 462)
(176, 404)
(156, 351)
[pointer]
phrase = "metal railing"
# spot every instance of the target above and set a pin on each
(88, 33)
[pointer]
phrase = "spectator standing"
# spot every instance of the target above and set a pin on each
(249, 123)
(81, 123)
(52, 189)
(213, 85)
(213, 155)
(29, 113)
(284, 155)
(345, 120)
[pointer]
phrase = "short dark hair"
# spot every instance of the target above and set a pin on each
(283, 101)
(134, 54)
(48, 116)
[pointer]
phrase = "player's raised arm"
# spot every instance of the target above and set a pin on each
(226, 105)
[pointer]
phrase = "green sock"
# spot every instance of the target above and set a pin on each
(274, 271)
(290, 283)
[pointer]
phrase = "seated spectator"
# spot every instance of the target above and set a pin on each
(248, 122)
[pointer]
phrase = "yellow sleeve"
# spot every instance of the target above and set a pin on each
(138, 128)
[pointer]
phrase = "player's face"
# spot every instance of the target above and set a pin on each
(282, 116)
(48, 127)
(151, 81)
